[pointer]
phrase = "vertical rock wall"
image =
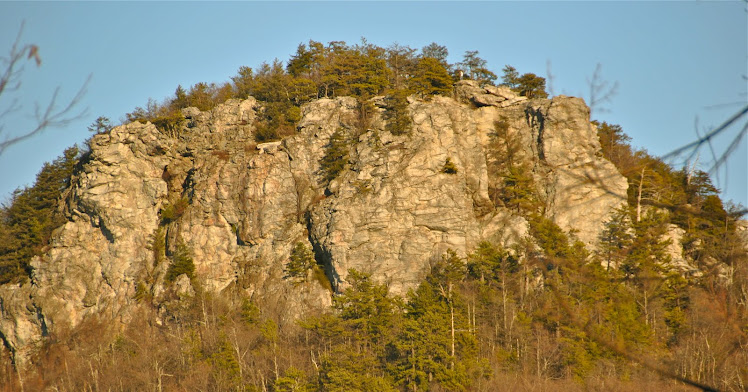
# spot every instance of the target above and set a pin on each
(391, 212)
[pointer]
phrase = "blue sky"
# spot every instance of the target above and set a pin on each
(680, 66)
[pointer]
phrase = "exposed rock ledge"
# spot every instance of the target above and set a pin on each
(391, 213)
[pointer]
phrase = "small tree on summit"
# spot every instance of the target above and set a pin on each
(475, 67)
(510, 78)
(528, 85)
(532, 86)
(101, 125)
(431, 78)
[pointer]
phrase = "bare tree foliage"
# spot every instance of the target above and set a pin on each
(601, 90)
(53, 114)
(735, 127)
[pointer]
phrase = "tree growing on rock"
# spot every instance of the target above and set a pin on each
(336, 156)
(300, 262)
(475, 68)
(527, 85)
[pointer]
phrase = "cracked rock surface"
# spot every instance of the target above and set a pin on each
(391, 212)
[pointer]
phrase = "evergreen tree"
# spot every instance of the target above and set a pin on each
(243, 82)
(101, 125)
(532, 86)
(396, 114)
(616, 238)
(28, 221)
(401, 60)
(519, 189)
(615, 146)
(300, 262)
(367, 311)
(475, 67)
(430, 78)
(528, 85)
(180, 100)
(489, 262)
(181, 263)
(437, 52)
(510, 78)
(336, 156)
(436, 343)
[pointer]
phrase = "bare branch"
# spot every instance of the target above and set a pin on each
(691, 149)
(10, 81)
(549, 78)
(601, 91)
(52, 117)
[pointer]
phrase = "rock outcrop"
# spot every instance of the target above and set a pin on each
(391, 212)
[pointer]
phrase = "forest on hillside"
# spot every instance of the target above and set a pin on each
(544, 314)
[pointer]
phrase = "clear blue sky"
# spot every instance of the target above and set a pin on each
(677, 64)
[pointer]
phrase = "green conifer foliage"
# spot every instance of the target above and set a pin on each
(532, 86)
(489, 263)
(510, 78)
(616, 238)
(396, 114)
(181, 263)
(336, 156)
(345, 370)
(226, 367)
(449, 167)
(357, 337)
(300, 262)
(293, 380)
(475, 67)
(528, 85)
(436, 51)
(26, 224)
(430, 78)
(401, 60)
(519, 189)
(436, 343)
(367, 311)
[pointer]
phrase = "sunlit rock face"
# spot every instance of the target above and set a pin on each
(239, 207)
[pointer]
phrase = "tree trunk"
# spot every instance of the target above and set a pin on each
(452, 321)
(639, 198)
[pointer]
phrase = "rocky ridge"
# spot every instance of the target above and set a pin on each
(391, 212)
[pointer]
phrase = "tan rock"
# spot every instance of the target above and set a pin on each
(390, 213)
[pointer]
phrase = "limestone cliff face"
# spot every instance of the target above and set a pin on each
(391, 212)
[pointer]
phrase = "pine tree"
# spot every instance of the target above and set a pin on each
(437, 52)
(396, 114)
(510, 78)
(532, 86)
(28, 221)
(430, 78)
(616, 238)
(367, 311)
(300, 262)
(336, 156)
(475, 67)
(181, 263)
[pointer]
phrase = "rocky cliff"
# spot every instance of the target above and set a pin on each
(239, 207)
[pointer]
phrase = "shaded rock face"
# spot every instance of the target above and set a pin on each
(392, 211)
